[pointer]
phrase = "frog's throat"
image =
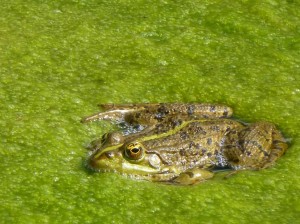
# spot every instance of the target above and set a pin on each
(98, 153)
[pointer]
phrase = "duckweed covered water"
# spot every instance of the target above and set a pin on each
(59, 59)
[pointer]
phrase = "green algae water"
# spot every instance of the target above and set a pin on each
(59, 59)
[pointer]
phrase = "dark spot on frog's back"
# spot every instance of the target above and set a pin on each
(225, 113)
(162, 109)
(215, 128)
(200, 130)
(191, 145)
(241, 142)
(209, 141)
(176, 123)
(184, 135)
(228, 128)
(137, 115)
(190, 109)
(159, 117)
(182, 152)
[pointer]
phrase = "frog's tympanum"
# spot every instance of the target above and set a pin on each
(181, 143)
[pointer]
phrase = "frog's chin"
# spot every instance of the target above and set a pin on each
(132, 168)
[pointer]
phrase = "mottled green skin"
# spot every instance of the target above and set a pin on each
(182, 143)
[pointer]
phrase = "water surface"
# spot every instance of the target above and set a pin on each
(59, 59)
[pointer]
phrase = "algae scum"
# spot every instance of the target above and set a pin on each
(59, 59)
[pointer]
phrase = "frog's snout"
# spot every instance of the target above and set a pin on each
(95, 161)
(104, 161)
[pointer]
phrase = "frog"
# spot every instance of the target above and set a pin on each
(181, 143)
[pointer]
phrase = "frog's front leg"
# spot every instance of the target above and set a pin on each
(193, 176)
(254, 147)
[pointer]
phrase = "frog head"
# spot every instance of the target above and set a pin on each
(128, 158)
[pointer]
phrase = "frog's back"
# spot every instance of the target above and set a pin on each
(194, 143)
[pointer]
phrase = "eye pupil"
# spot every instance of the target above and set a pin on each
(135, 150)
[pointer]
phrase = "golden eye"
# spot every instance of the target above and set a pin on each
(134, 151)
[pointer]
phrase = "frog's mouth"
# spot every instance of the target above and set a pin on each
(114, 162)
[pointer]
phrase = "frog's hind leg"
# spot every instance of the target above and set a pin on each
(119, 112)
(111, 112)
(126, 106)
(198, 110)
(255, 147)
(108, 115)
(152, 113)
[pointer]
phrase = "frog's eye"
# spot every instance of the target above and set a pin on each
(134, 151)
